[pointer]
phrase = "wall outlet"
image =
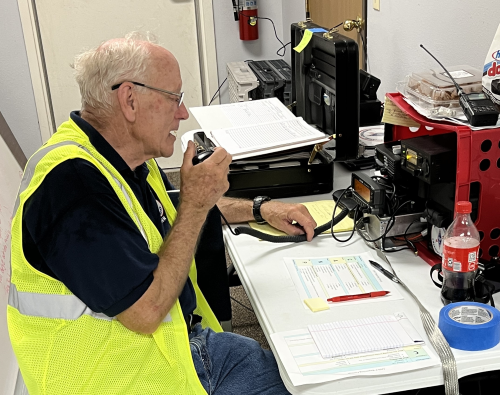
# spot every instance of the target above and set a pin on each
(376, 5)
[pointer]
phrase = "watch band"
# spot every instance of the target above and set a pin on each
(257, 202)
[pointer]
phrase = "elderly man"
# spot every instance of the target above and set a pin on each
(104, 298)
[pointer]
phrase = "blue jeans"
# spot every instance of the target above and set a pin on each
(229, 364)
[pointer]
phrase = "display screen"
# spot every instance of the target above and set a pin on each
(412, 157)
(362, 190)
(477, 96)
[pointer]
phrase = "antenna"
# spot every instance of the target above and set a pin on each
(459, 89)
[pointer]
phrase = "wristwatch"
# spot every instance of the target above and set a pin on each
(257, 202)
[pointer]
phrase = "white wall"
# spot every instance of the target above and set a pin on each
(455, 31)
(17, 102)
(227, 38)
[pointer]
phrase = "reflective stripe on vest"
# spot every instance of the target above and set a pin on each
(68, 307)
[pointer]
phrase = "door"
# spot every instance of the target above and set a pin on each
(328, 13)
(68, 27)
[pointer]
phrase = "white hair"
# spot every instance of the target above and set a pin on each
(98, 69)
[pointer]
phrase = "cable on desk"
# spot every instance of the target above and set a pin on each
(408, 241)
(390, 224)
(285, 239)
(333, 213)
(437, 340)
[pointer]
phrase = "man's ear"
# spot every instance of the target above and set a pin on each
(127, 99)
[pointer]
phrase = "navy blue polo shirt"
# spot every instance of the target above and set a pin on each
(76, 230)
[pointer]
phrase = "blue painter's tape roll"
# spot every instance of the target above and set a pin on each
(470, 326)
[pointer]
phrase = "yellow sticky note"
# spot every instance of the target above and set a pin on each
(395, 116)
(316, 304)
(305, 40)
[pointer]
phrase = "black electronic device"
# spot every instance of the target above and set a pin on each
(431, 159)
(326, 87)
(370, 108)
(279, 178)
(275, 80)
(204, 147)
(388, 157)
(495, 86)
(368, 194)
(477, 107)
(368, 85)
(271, 175)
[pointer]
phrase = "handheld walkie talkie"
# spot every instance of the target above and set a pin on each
(477, 107)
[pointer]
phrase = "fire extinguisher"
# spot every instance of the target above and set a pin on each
(249, 29)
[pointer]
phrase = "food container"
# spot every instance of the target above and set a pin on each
(433, 88)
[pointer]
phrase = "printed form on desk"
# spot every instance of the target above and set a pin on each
(304, 364)
(384, 332)
(387, 344)
(327, 277)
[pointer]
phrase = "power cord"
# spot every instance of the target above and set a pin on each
(283, 46)
(336, 26)
(409, 242)
(333, 214)
(241, 304)
(217, 91)
(390, 224)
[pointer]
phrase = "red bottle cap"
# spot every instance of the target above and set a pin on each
(464, 207)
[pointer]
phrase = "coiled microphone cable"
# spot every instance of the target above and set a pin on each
(286, 239)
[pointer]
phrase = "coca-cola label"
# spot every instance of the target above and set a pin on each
(460, 259)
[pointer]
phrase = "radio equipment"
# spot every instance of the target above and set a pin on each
(388, 157)
(431, 159)
(367, 193)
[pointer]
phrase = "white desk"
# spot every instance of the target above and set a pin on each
(278, 307)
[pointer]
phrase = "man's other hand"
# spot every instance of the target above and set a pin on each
(204, 184)
(283, 215)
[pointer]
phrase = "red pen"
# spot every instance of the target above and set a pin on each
(344, 298)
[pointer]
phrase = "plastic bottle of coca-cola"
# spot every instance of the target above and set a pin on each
(460, 256)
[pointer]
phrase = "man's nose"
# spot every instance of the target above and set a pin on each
(182, 112)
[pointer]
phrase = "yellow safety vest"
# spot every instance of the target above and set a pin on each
(62, 346)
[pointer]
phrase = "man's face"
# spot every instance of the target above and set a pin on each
(160, 112)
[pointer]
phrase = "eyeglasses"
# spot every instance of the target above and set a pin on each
(179, 95)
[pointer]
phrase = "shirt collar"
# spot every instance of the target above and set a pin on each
(105, 149)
